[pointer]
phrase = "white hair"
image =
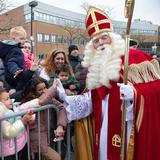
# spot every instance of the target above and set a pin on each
(103, 65)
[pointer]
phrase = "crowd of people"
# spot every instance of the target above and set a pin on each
(26, 79)
(88, 91)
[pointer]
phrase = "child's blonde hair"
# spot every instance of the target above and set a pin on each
(17, 31)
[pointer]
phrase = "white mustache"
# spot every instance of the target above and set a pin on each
(103, 47)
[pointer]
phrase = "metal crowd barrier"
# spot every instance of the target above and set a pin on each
(46, 107)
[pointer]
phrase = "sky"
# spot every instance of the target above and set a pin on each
(143, 10)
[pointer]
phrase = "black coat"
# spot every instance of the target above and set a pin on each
(13, 60)
(74, 61)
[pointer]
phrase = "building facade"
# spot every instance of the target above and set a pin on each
(53, 27)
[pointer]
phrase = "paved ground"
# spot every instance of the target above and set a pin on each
(72, 157)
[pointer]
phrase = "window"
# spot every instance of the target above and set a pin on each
(60, 39)
(36, 15)
(81, 41)
(47, 17)
(40, 15)
(62, 21)
(39, 37)
(57, 20)
(54, 38)
(27, 17)
(65, 39)
(50, 18)
(75, 41)
(43, 16)
(46, 38)
(54, 20)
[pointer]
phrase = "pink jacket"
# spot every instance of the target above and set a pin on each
(28, 58)
(14, 128)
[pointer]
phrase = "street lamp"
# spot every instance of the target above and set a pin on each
(32, 4)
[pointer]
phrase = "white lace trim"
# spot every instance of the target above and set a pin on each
(78, 106)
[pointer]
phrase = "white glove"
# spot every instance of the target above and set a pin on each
(126, 92)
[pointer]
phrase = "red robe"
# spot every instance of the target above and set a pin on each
(114, 119)
(146, 81)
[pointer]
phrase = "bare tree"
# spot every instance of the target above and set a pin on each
(5, 5)
(85, 5)
(5, 21)
(83, 34)
(139, 38)
(76, 30)
(71, 33)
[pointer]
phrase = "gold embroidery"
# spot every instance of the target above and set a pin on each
(92, 12)
(96, 138)
(143, 72)
(140, 114)
(130, 153)
(116, 140)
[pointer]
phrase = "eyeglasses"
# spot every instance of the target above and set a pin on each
(25, 47)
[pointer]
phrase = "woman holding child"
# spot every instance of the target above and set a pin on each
(53, 61)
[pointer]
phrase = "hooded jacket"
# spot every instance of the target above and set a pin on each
(13, 60)
(12, 56)
(6, 46)
(14, 128)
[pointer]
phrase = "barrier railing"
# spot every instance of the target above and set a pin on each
(35, 110)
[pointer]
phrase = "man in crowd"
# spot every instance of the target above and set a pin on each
(133, 43)
(104, 58)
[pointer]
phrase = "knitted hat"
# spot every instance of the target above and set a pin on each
(72, 48)
(133, 42)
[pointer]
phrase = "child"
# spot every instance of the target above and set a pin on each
(13, 59)
(35, 88)
(28, 56)
(70, 84)
(14, 127)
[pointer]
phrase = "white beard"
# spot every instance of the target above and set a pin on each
(103, 64)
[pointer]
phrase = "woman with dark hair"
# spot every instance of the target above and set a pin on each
(34, 89)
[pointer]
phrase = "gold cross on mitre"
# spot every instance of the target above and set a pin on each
(97, 21)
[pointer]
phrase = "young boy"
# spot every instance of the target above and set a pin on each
(70, 84)
(13, 59)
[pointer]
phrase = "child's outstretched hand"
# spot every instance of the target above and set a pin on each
(69, 92)
(35, 64)
(55, 83)
(27, 118)
(17, 72)
(46, 98)
(59, 133)
(72, 87)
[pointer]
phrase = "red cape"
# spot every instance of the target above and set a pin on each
(146, 110)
